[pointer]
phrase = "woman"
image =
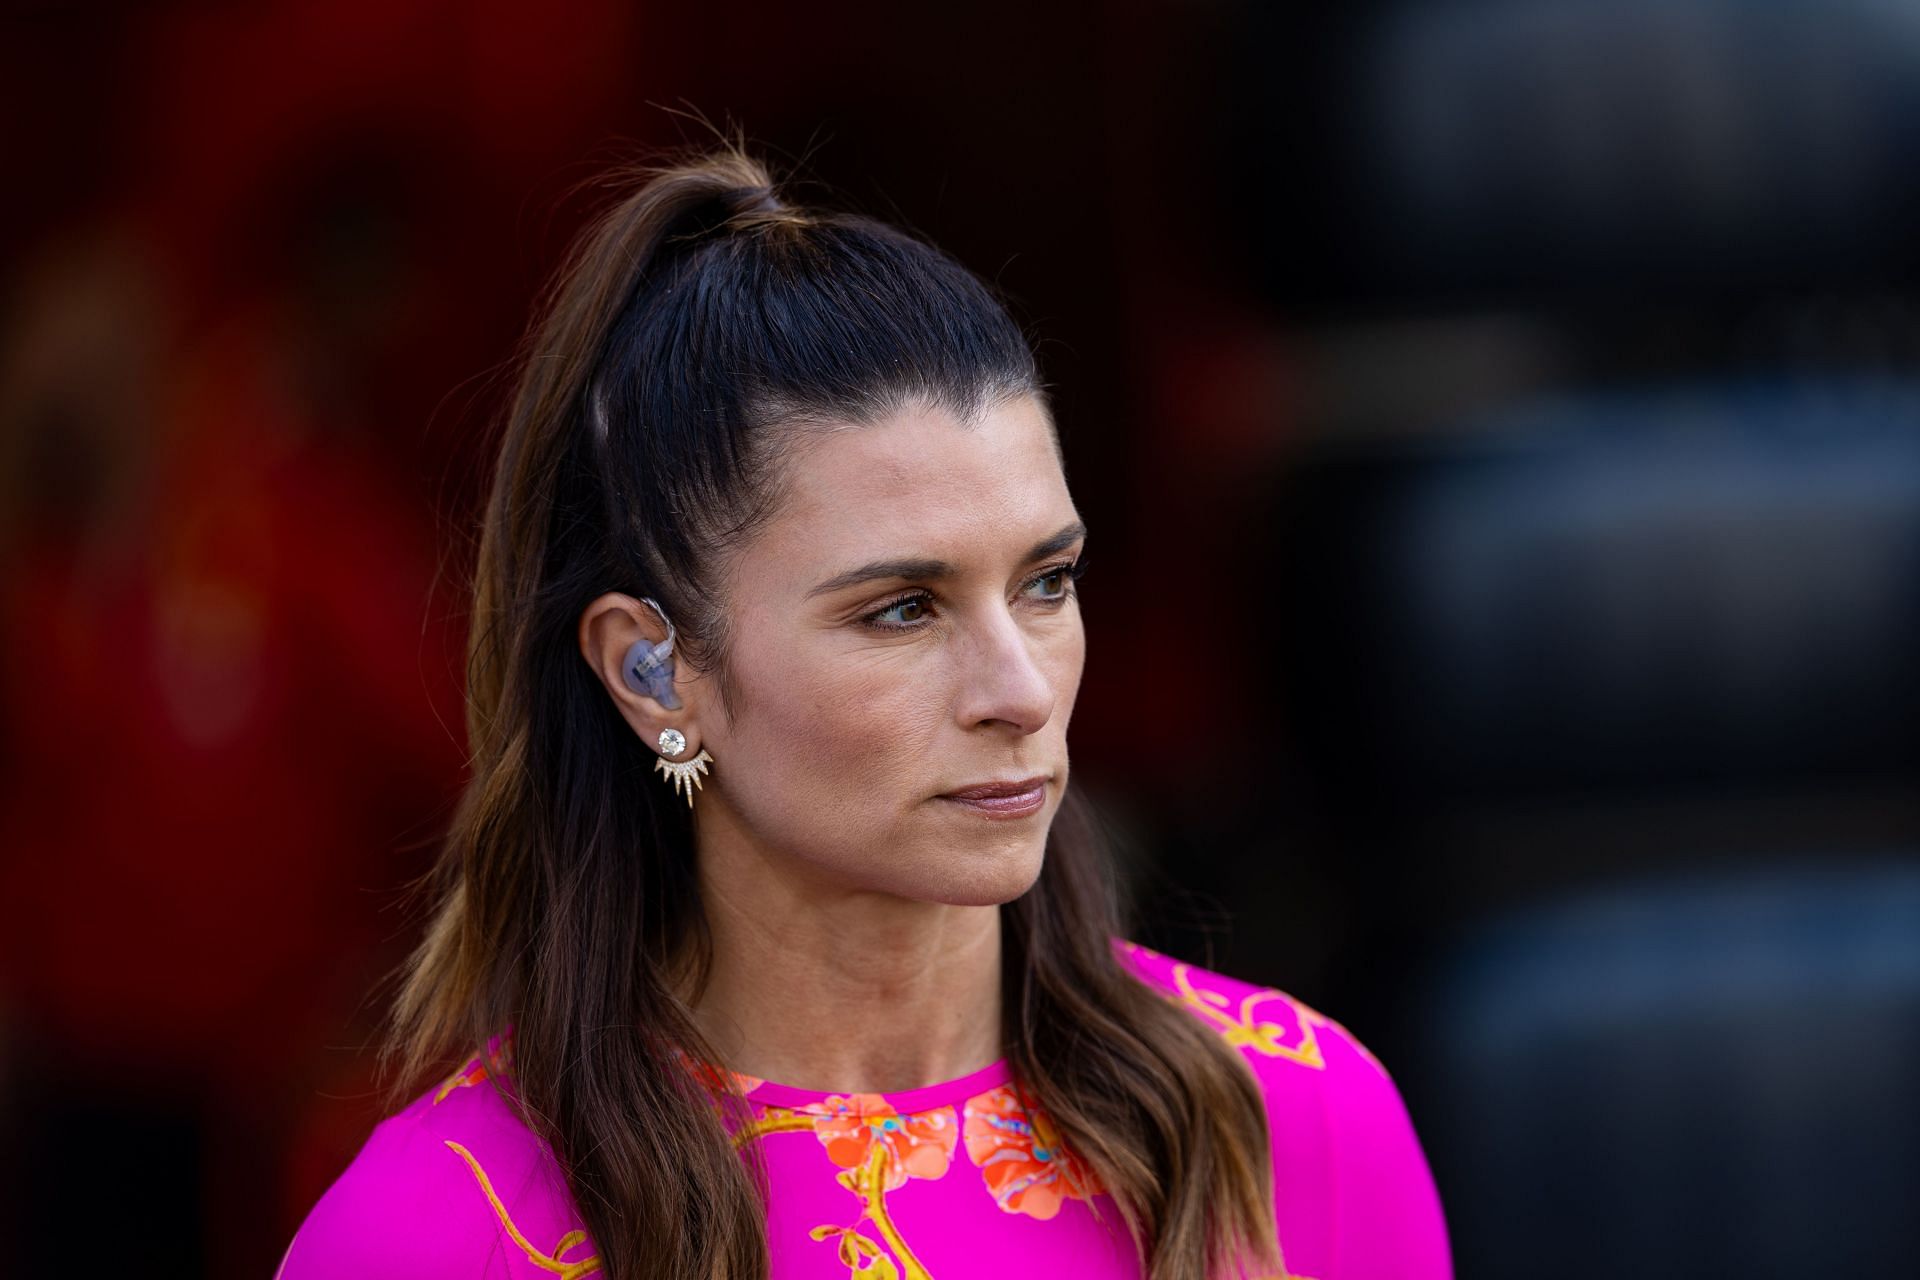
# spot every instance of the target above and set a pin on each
(780, 518)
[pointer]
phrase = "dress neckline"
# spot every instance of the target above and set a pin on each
(904, 1101)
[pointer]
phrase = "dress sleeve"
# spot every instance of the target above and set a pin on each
(1387, 1222)
(405, 1208)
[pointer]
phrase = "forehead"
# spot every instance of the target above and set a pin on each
(920, 482)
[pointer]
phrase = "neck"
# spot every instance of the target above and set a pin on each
(824, 987)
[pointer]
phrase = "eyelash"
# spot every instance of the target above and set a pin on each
(1074, 571)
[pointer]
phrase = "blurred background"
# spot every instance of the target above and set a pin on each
(1508, 411)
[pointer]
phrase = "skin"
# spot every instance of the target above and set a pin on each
(854, 912)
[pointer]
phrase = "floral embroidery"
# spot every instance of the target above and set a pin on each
(554, 1261)
(1020, 1154)
(851, 1126)
(871, 1182)
(878, 1150)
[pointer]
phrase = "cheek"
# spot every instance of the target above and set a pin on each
(830, 744)
(839, 734)
(1062, 655)
(1068, 661)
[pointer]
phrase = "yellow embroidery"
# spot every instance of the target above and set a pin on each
(774, 1120)
(869, 1182)
(1242, 1029)
(545, 1261)
(493, 1062)
(864, 1258)
(473, 1073)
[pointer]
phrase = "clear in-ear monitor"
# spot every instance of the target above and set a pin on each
(648, 667)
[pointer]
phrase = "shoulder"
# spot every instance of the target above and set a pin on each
(1353, 1189)
(1267, 1026)
(454, 1185)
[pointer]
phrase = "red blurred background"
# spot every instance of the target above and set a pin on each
(1500, 429)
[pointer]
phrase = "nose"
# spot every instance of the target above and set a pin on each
(1005, 681)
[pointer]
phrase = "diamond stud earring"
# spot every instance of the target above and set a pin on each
(672, 742)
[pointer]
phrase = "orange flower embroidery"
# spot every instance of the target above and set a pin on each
(1020, 1154)
(919, 1145)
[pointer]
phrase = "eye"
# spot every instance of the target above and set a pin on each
(909, 612)
(903, 612)
(1056, 583)
(1052, 583)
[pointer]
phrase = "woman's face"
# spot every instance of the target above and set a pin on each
(904, 627)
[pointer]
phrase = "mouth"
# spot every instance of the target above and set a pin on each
(1021, 798)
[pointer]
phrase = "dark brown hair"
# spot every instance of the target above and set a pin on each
(696, 320)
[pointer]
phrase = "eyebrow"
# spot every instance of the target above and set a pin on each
(925, 568)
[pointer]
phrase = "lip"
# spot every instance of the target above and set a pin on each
(1019, 798)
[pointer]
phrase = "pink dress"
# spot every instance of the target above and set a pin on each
(951, 1182)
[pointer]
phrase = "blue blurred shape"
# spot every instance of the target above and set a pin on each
(1677, 584)
(1690, 1077)
(1573, 139)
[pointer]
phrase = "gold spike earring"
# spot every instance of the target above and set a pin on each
(685, 776)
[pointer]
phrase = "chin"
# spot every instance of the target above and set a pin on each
(992, 881)
(988, 895)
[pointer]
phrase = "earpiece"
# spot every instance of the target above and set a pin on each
(648, 668)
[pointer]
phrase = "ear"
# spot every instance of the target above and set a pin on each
(610, 627)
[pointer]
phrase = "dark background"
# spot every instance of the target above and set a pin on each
(1499, 421)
